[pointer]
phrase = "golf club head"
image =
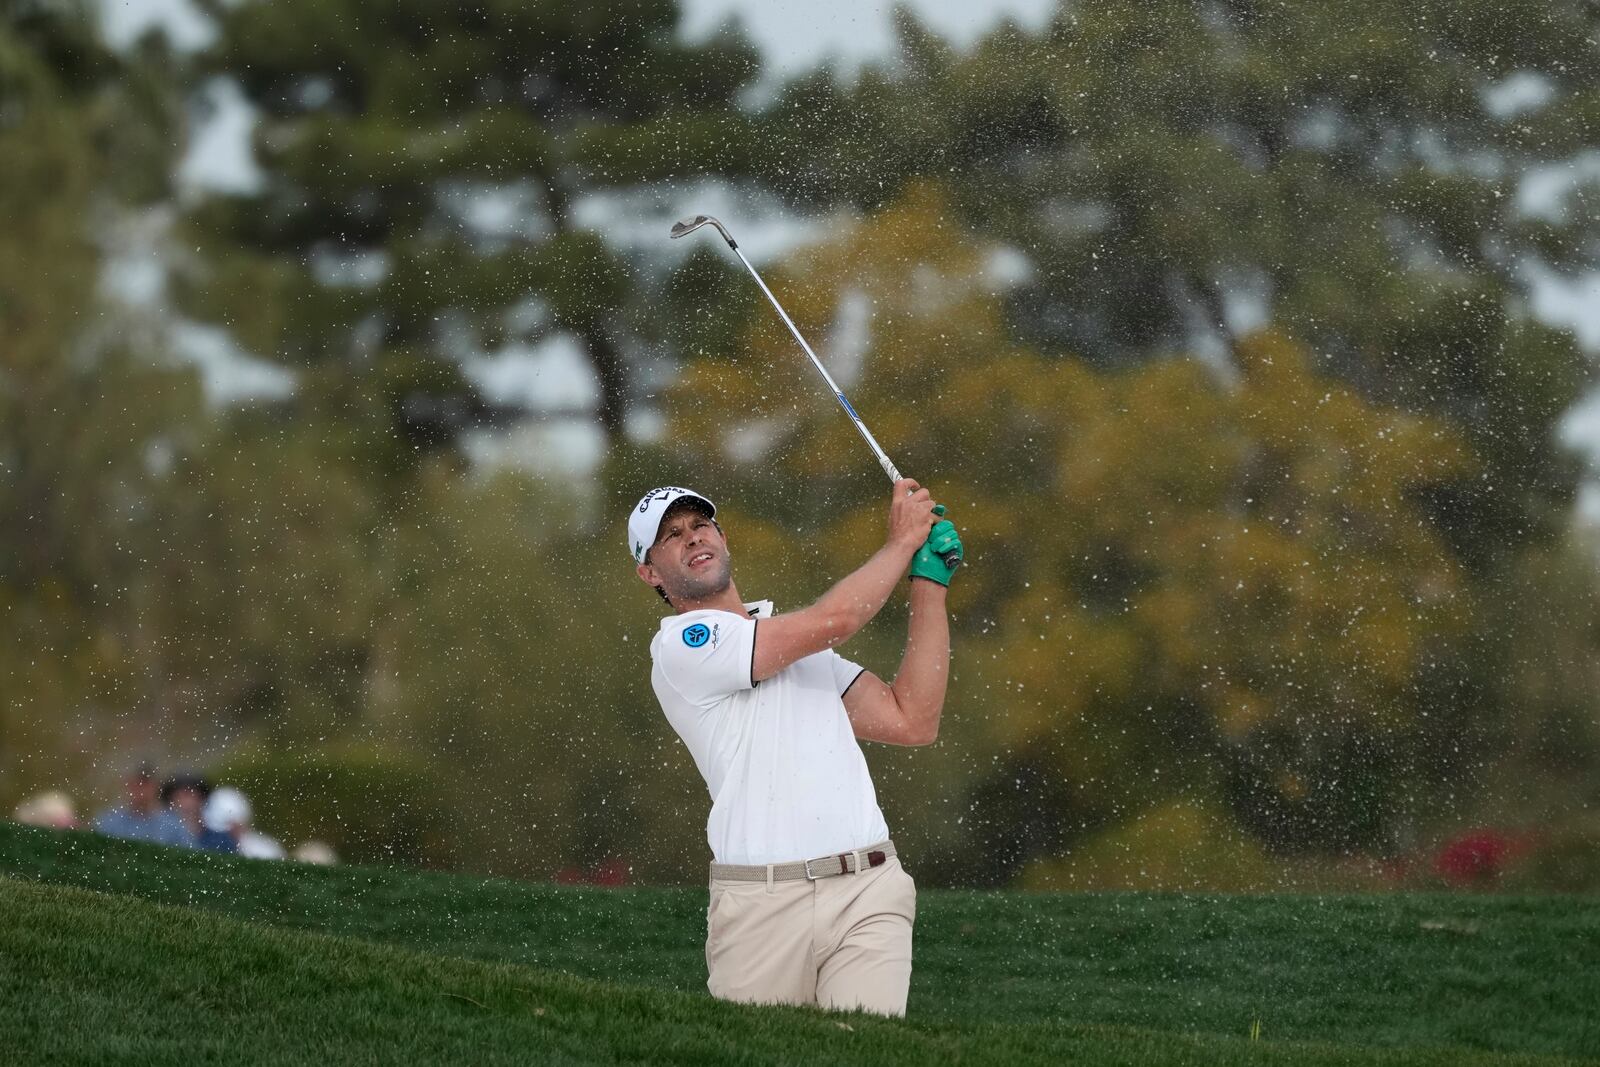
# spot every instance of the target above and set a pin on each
(687, 226)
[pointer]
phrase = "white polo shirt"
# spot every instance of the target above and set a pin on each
(787, 778)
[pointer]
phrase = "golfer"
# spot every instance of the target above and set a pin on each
(809, 903)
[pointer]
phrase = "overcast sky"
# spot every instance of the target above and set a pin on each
(792, 34)
(795, 36)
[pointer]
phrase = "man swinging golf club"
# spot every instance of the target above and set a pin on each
(809, 903)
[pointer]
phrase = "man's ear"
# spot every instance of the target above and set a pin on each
(647, 575)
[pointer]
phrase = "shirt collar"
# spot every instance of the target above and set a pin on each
(757, 609)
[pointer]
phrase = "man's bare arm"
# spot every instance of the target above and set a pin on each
(856, 598)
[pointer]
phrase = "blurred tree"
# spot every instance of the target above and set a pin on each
(418, 206)
(324, 649)
(1178, 584)
(1175, 173)
(313, 578)
(421, 172)
(260, 579)
(1307, 583)
(371, 806)
(1542, 638)
(86, 413)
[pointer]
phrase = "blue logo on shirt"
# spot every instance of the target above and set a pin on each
(696, 635)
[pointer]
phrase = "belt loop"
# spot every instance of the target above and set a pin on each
(769, 877)
(857, 855)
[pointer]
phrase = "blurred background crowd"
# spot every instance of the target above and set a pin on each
(184, 811)
(1250, 345)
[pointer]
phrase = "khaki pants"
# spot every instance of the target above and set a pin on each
(841, 942)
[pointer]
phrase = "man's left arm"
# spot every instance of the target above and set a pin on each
(907, 712)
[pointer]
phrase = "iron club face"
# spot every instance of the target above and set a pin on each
(684, 227)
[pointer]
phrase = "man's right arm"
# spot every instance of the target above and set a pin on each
(856, 598)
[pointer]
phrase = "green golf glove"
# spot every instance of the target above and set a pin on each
(943, 544)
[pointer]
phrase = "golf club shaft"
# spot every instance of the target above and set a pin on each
(866, 434)
(951, 559)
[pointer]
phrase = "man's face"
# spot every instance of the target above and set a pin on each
(689, 558)
(142, 792)
(187, 801)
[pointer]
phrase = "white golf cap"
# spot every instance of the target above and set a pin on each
(645, 520)
(225, 807)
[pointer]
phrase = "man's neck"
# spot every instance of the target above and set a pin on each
(727, 600)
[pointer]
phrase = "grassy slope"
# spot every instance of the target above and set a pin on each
(86, 977)
(1511, 974)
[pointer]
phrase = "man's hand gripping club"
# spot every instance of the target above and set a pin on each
(940, 554)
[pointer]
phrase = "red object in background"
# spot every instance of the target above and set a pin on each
(610, 873)
(1475, 858)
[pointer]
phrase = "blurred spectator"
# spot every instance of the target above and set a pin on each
(227, 811)
(52, 810)
(141, 818)
(318, 852)
(185, 794)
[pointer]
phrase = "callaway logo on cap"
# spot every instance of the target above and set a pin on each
(645, 520)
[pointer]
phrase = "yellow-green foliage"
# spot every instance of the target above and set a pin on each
(1183, 845)
(1249, 542)
(372, 806)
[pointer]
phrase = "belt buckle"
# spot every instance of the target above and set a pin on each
(843, 867)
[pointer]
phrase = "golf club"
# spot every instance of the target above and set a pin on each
(688, 226)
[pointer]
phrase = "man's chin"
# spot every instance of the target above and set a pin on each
(703, 588)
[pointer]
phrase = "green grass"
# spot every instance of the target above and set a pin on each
(445, 967)
(87, 977)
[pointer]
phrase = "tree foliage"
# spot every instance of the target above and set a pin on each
(84, 417)
(1182, 171)
(421, 172)
(1181, 581)
(1206, 320)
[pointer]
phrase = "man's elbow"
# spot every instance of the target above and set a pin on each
(921, 733)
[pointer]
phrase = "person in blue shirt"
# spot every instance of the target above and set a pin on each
(141, 817)
(186, 793)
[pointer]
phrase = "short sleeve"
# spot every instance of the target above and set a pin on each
(706, 656)
(844, 673)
